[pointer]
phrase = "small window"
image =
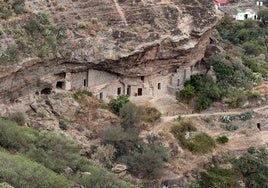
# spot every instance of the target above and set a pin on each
(119, 91)
(101, 95)
(159, 86)
(142, 78)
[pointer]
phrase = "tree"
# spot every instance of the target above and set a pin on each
(263, 15)
(253, 166)
(131, 115)
(116, 104)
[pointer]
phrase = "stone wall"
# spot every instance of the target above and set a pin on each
(96, 77)
(79, 80)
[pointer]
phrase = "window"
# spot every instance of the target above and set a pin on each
(101, 95)
(178, 82)
(142, 78)
(119, 91)
(159, 86)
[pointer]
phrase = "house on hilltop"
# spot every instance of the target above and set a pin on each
(245, 14)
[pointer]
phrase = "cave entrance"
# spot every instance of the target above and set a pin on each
(46, 91)
(246, 16)
(60, 85)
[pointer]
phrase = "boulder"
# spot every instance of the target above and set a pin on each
(119, 168)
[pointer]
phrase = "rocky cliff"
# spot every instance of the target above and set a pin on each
(127, 37)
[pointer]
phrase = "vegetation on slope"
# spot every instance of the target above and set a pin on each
(37, 36)
(189, 138)
(238, 69)
(251, 168)
(141, 158)
(53, 153)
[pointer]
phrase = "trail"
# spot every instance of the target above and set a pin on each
(261, 136)
(120, 12)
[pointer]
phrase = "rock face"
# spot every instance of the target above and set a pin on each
(127, 37)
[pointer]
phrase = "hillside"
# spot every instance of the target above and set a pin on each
(133, 93)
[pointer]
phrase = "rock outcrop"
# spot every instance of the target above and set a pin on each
(126, 37)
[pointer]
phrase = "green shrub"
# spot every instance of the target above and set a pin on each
(217, 177)
(246, 115)
(104, 155)
(18, 6)
(80, 94)
(236, 97)
(13, 137)
(63, 125)
(123, 141)
(196, 142)
(151, 114)
(202, 103)
(21, 172)
(143, 163)
(116, 104)
(253, 166)
(40, 115)
(222, 139)
(226, 119)
(188, 92)
(130, 115)
(53, 151)
(101, 179)
(231, 127)
(18, 117)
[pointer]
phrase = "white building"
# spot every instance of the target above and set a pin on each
(245, 14)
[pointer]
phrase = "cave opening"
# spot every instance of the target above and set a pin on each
(46, 91)
(60, 85)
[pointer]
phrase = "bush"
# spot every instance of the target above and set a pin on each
(21, 172)
(231, 127)
(130, 115)
(145, 162)
(80, 94)
(188, 92)
(116, 104)
(217, 177)
(202, 103)
(104, 155)
(246, 115)
(189, 138)
(63, 125)
(236, 97)
(150, 115)
(253, 166)
(101, 179)
(53, 151)
(18, 117)
(123, 141)
(222, 139)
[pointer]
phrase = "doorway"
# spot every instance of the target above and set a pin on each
(128, 90)
(139, 91)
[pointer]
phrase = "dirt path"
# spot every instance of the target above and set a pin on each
(238, 140)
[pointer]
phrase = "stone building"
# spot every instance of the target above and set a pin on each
(105, 85)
